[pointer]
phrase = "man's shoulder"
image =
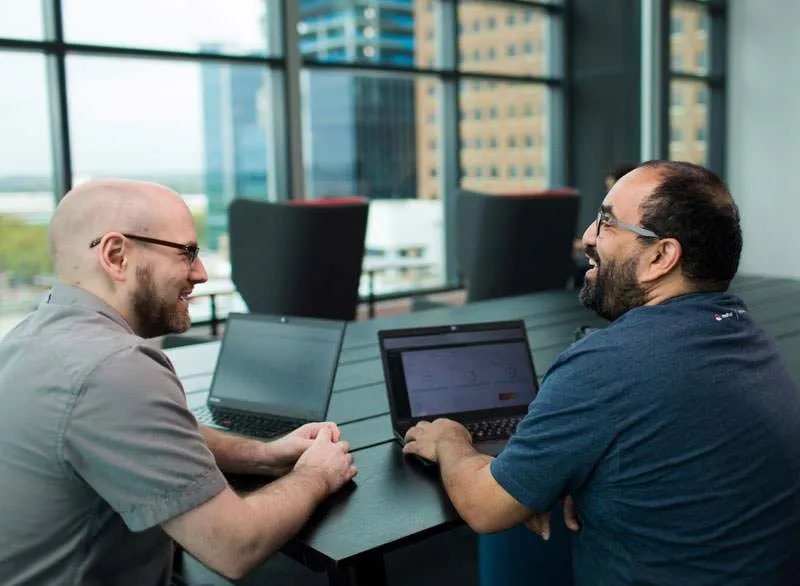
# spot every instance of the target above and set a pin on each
(75, 341)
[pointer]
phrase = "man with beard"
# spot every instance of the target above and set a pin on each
(101, 462)
(676, 429)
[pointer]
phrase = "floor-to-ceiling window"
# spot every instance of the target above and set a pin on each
(696, 82)
(399, 101)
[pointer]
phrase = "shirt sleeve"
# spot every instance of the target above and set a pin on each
(568, 429)
(131, 437)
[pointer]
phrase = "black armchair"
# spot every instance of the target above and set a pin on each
(515, 244)
(302, 260)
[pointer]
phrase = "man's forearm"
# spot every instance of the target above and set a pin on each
(282, 508)
(236, 454)
(460, 465)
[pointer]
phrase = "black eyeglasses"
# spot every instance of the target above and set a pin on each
(191, 250)
(603, 217)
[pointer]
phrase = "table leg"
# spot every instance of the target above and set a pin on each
(214, 321)
(364, 570)
(371, 298)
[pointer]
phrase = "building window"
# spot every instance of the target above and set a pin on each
(478, 114)
(432, 144)
(675, 98)
(700, 134)
(677, 62)
(511, 20)
(527, 110)
(512, 142)
(528, 48)
(476, 25)
(702, 60)
(529, 16)
(676, 25)
(491, 23)
(492, 142)
(478, 171)
(529, 172)
(476, 55)
(511, 50)
(702, 96)
(429, 34)
(491, 53)
(675, 134)
(512, 171)
(478, 142)
(493, 113)
(529, 142)
(433, 172)
(493, 171)
(512, 111)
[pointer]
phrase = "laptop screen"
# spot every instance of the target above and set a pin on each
(459, 369)
(277, 365)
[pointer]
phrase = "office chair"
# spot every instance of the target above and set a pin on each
(302, 258)
(513, 244)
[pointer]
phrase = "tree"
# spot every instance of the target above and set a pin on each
(23, 250)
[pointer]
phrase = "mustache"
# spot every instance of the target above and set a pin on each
(591, 252)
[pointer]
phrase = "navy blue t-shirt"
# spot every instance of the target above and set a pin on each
(677, 431)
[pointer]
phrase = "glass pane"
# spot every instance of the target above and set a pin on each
(21, 20)
(210, 26)
(26, 186)
(201, 129)
(504, 130)
(689, 38)
(688, 118)
(377, 136)
(400, 32)
(502, 39)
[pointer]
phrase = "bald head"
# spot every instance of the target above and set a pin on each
(97, 207)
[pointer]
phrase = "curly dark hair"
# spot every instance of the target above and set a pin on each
(693, 205)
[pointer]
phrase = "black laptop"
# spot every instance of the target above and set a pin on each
(273, 374)
(479, 374)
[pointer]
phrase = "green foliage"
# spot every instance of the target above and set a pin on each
(202, 231)
(23, 250)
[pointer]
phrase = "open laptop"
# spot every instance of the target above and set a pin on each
(273, 374)
(479, 374)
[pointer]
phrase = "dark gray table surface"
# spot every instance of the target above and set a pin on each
(395, 501)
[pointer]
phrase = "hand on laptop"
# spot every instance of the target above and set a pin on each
(327, 459)
(282, 454)
(424, 438)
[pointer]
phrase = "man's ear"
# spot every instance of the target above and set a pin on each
(662, 259)
(114, 256)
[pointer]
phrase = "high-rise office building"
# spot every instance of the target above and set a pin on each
(360, 128)
(503, 126)
(235, 141)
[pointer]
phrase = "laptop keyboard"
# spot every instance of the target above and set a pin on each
(250, 424)
(490, 429)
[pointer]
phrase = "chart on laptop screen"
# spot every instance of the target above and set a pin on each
(468, 378)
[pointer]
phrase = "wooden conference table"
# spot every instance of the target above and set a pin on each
(396, 501)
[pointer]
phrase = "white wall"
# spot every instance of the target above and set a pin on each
(763, 168)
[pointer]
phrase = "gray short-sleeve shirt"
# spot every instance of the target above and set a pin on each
(97, 449)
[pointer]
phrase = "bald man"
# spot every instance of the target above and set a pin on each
(101, 463)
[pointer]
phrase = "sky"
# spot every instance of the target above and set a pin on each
(126, 115)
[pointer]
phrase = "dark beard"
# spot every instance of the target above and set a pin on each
(614, 290)
(154, 316)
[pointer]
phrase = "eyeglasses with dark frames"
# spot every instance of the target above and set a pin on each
(191, 250)
(604, 217)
